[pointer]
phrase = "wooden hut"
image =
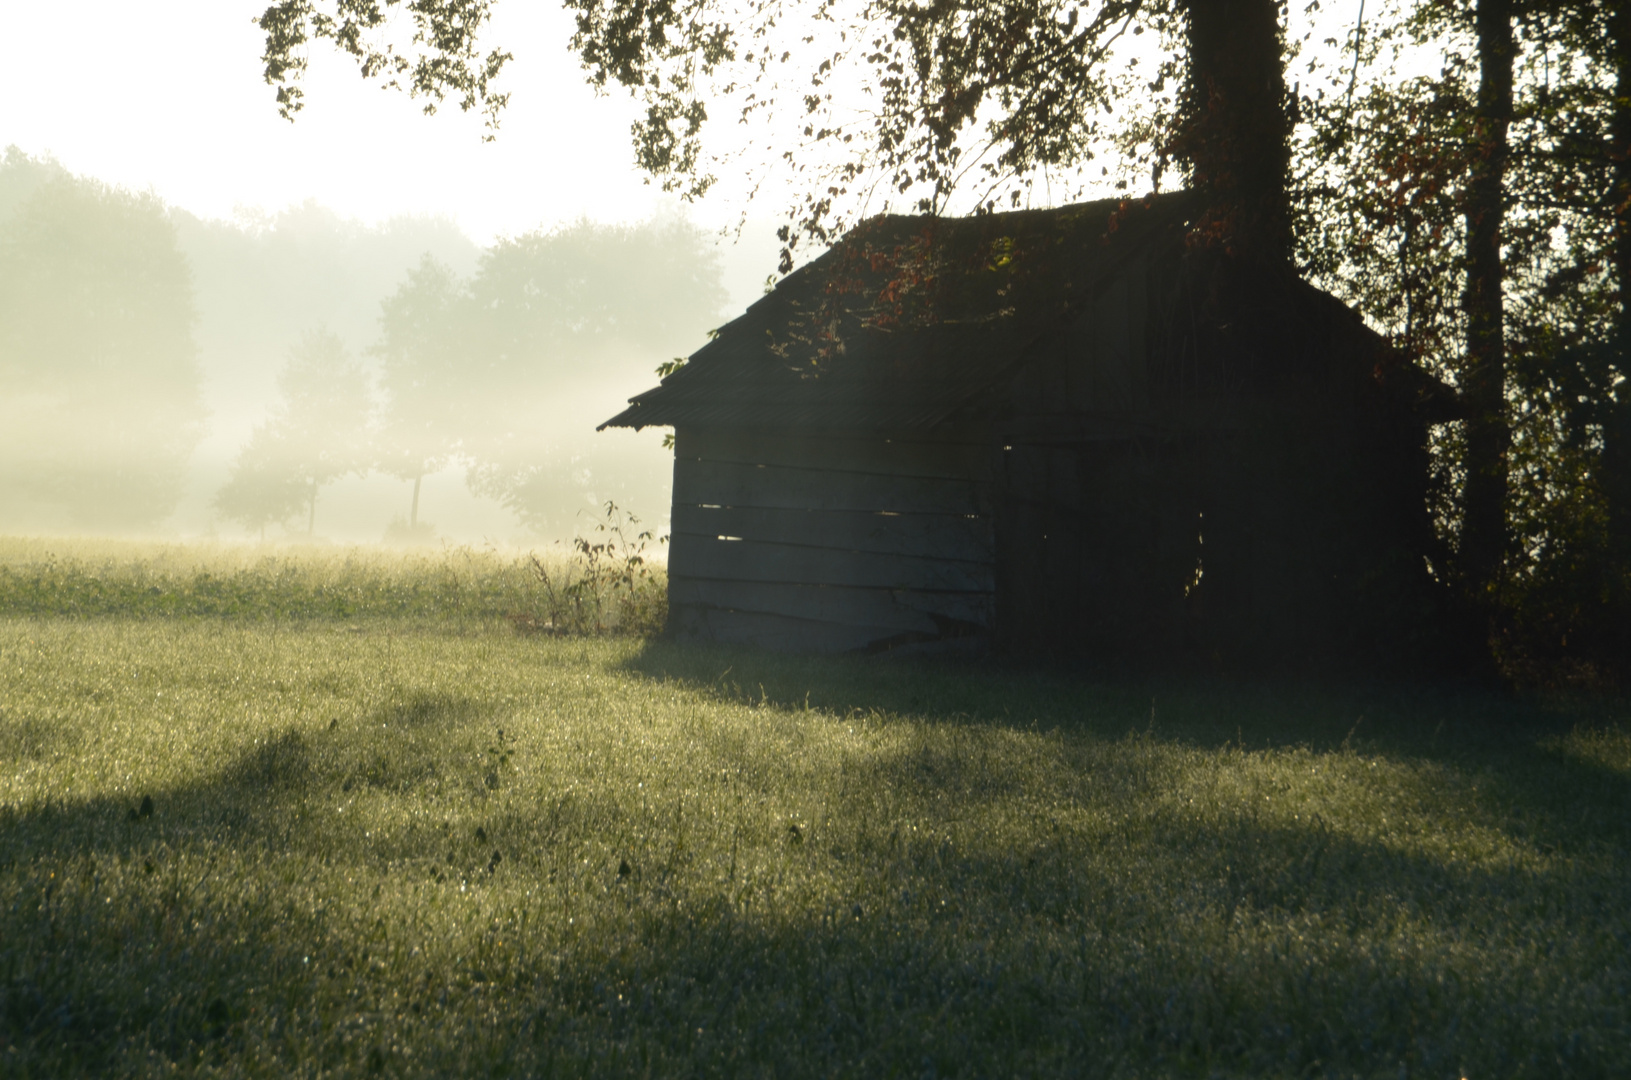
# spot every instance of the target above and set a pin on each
(1061, 431)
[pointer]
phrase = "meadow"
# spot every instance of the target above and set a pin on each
(609, 580)
(353, 820)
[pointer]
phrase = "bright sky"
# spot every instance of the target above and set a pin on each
(168, 95)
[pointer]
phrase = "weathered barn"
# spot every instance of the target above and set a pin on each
(1059, 431)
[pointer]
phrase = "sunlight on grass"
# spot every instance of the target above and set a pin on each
(621, 589)
(425, 853)
(1606, 748)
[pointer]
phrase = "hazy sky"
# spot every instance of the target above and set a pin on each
(168, 95)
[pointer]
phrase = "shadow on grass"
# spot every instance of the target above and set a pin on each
(1566, 802)
(33, 738)
(247, 926)
(1219, 949)
(1207, 712)
(429, 708)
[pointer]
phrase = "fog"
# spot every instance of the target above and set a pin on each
(297, 376)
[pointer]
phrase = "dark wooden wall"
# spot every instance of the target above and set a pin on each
(1238, 496)
(833, 543)
(1092, 550)
(1145, 487)
(1207, 547)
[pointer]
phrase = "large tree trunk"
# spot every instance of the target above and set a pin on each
(1616, 477)
(1235, 132)
(1483, 530)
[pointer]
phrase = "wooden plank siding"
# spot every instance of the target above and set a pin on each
(895, 609)
(1081, 444)
(820, 544)
(838, 540)
(778, 633)
(699, 482)
(1091, 376)
(752, 560)
(958, 537)
(960, 455)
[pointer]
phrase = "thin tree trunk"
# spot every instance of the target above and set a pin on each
(1620, 148)
(1236, 129)
(311, 520)
(413, 514)
(1483, 530)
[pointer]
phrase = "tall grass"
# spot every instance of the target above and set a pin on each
(607, 584)
(263, 847)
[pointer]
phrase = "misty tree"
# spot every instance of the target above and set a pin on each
(420, 350)
(264, 487)
(263, 279)
(317, 433)
(571, 319)
(22, 176)
(567, 323)
(100, 403)
(508, 370)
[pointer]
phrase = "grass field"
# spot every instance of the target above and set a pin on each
(608, 583)
(365, 842)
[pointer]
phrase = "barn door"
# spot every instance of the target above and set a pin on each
(1100, 548)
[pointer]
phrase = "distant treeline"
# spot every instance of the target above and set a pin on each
(100, 402)
(117, 313)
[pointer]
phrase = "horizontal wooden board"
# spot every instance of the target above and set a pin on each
(690, 555)
(939, 536)
(775, 632)
(962, 455)
(1204, 417)
(1045, 428)
(724, 483)
(899, 609)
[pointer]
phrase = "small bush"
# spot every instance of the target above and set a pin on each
(609, 585)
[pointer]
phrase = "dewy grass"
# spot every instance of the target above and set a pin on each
(257, 847)
(558, 591)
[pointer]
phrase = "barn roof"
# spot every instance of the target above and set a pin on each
(907, 320)
(910, 321)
